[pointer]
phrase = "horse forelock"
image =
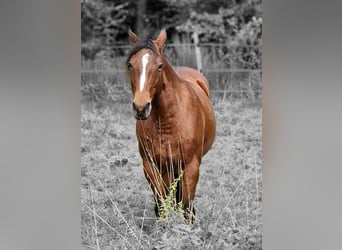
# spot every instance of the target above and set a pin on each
(142, 44)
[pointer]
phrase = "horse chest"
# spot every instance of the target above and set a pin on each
(162, 146)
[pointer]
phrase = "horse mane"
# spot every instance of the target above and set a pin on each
(142, 44)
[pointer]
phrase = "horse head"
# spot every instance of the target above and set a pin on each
(145, 66)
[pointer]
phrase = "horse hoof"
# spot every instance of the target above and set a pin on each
(190, 216)
(156, 210)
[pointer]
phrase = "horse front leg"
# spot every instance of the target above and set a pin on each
(189, 182)
(156, 184)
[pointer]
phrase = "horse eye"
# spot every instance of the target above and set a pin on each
(160, 67)
(129, 66)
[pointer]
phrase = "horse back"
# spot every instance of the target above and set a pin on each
(195, 77)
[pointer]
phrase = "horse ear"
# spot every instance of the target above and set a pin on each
(133, 38)
(160, 41)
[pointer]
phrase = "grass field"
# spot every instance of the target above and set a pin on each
(117, 209)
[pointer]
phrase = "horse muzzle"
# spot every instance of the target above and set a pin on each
(141, 112)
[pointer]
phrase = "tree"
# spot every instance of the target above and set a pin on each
(105, 22)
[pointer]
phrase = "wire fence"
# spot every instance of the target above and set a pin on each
(233, 72)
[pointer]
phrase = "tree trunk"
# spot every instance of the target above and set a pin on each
(140, 23)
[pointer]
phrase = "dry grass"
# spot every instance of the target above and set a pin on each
(117, 207)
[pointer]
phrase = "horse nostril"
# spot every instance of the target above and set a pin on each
(135, 107)
(146, 107)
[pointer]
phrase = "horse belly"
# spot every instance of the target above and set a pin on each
(207, 130)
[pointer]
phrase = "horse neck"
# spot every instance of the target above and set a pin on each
(170, 78)
(166, 100)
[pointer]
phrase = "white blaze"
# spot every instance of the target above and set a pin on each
(144, 61)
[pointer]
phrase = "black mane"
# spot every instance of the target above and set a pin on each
(142, 44)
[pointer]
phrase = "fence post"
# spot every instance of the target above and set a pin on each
(197, 52)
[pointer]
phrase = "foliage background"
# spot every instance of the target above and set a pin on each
(230, 22)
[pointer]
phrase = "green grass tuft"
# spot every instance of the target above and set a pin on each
(169, 204)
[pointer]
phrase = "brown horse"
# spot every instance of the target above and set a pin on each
(175, 121)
